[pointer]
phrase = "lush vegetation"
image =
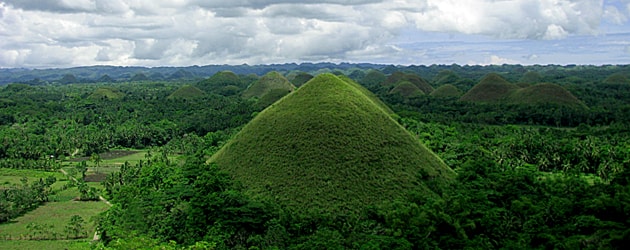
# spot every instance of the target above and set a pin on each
(528, 174)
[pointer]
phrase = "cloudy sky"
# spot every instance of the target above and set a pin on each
(66, 33)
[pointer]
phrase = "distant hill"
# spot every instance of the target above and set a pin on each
(398, 77)
(544, 93)
(139, 77)
(270, 81)
(181, 74)
(373, 78)
(491, 88)
(300, 78)
(186, 92)
(105, 78)
(106, 93)
(617, 79)
(328, 148)
(406, 89)
(445, 77)
(530, 77)
(447, 90)
(220, 82)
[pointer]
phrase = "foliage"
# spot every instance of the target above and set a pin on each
(17, 199)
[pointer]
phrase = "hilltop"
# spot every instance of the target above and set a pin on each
(398, 77)
(106, 93)
(545, 93)
(491, 88)
(223, 83)
(446, 90)
(270, 81)
(328, 148)
(186, 92)
(406, 89)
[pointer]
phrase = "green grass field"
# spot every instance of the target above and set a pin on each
(10, 176)
(54, 216)
(45, 244)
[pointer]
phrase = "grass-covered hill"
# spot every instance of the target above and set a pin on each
(186, 92)
(223, 83)
(491, 88)
(545, 93)
(530, 77)
(446, 90)
(445, 77)
(299, 78)
(270, 81)
(397, 77)
(617, 78)
(367, 93)
(108, 93)
(328, 148)
(406, 89)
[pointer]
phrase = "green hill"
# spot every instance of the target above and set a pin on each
(373, 78)
(445, 77)
(544, 93)
(406, 89)
(270, 81)
(398, 77)
(491, 88)
(328, 148)
(218, 82)
(617, 78)
(531, 77)
(139, 77)
(446, 90)
(378, 102)
(300, 78)
(186, 92)
(104, 93)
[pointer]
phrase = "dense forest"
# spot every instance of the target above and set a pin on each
(540, 155)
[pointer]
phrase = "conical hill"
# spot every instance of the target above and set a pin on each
(186, 92)
(398, 77)
(491, 88)
(270, 81)
(446, 90)
(328, 148)
(406, 89)
(545, 93)
(106, 93)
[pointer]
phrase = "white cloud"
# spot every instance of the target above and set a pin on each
(185, 32)
(613, 15)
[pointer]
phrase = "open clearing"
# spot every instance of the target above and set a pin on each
(54, 216)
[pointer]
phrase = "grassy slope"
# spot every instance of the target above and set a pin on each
(492, 88)
(447, 90)
(327, 147)
(371, 96)
(544, 93)
(398, 77)
(106, 93)
(406, 89)
(270, 81)
(186, 92)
